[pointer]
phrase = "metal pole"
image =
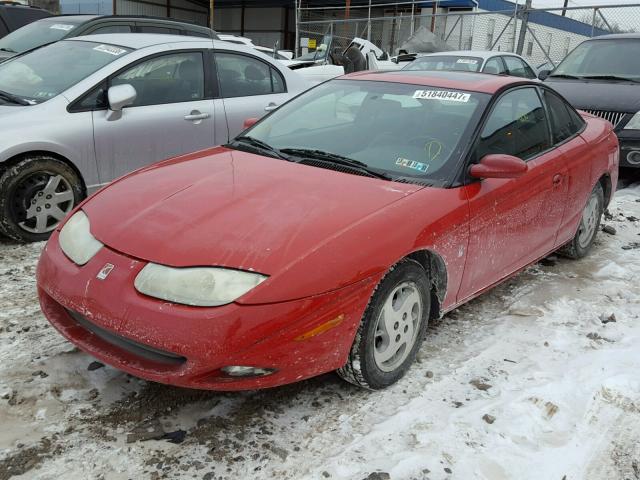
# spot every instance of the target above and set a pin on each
(295, 47)
(523, 27)
(515, 27)
(369, 22)
(564, 7)
(413, 11)
(211, 8)
(593, 21)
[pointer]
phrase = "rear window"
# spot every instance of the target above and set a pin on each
(446, 62)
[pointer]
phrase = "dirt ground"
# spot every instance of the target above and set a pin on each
(537, 379)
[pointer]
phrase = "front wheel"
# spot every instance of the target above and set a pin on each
(392, 328)
(584, 238)
(35, 196)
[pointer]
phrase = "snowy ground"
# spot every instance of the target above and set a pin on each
(540, 356)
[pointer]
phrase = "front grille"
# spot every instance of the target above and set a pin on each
(613, 117)
(138, 349)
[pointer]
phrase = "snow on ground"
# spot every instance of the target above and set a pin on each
(537, 379)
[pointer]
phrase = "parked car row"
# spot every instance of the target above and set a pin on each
(78, 113)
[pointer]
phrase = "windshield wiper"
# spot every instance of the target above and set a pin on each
(257, 144)
(564, 75)
(313, 154)
(10, 97)
(609, 77)
(4, 49)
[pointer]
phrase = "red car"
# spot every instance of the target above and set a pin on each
(328, 234)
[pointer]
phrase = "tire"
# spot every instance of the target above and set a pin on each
(35, 195)
(585, 236)
(370, 364)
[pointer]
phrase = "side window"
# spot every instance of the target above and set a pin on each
(195, 33)
(563, 123)
(516, 126)
(174, 78)
(155, 29)
(96, 99)
(517, 68)
(111, 29)
(494, 65)
(277, 81)
(243, 75)
(3, 29)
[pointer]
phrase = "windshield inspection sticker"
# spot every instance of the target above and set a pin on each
(470, 61)
(442, 95)
(403, 162)
(110, 49)
(61, 26)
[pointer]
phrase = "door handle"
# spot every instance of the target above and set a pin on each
(557, 179)
(270, 107)
(195, 115)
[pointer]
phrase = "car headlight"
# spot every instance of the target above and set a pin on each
(76, 240)
(196, 286)
(634, 123)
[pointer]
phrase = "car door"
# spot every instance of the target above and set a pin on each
(566, 126)
(514, 221)
(172, 114)
(249, 87)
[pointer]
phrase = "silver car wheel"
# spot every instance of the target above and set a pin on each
(48, 206)
(589, 222)
(397, 326)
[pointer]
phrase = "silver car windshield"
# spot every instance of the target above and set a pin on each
(46, 72)
(36, 34)
(397, 129)
(446, 62)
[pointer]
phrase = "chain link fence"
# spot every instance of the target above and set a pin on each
(540, 35)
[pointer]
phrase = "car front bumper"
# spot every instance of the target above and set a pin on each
(188, 346)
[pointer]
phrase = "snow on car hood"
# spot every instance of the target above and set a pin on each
(233, 209)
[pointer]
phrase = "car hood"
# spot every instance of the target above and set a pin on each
(598, 95)
(233, 209)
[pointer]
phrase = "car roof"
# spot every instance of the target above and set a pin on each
(137, 40)
(484, 54)
(616, 36)
(69, 18)
(470, 81)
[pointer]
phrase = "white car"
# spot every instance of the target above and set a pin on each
(497, 63)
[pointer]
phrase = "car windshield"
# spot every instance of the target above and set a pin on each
(615, 57)
(446, 62)
(320, 53)
(35, 34)
(405, 132)
(44, 73)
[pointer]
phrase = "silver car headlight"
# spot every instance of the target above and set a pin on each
(76, 240)
(196, 286)
(634, 123)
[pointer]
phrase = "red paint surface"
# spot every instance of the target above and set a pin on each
(324, 238)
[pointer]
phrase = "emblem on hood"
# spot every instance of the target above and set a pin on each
(106, 270)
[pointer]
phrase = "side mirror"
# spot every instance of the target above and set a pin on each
(250, 122)
(499, 166)
(120, 96)
(394, 60)
(543, 74)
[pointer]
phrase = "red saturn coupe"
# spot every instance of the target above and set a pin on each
(328, 234)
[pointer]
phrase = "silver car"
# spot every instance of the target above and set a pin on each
(76, 114)
(485, 61)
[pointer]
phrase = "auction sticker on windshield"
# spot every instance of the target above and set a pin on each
(110, 49)
(469, 61)
(442, 95)
(62, 26)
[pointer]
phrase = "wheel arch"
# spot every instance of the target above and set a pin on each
(436, 269)
(605, 181)
(11, 161)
